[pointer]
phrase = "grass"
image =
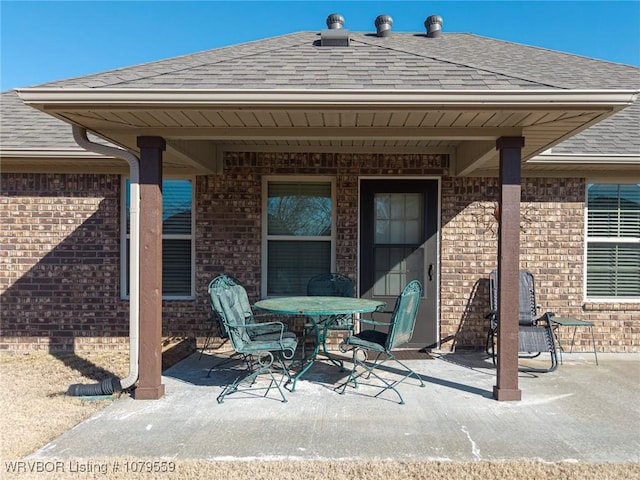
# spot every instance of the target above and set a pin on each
(36, 410)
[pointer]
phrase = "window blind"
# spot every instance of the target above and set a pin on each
(613, 240)
(177, 237)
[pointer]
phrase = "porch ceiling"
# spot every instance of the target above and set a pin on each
(199, 124)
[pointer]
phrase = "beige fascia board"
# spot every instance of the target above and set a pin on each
(54, 154)
(20, 167)
(619, 173)
(54, 98)
(322, 133)
(58, 161)
(568, 158)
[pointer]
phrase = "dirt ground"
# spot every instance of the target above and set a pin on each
(36, 410)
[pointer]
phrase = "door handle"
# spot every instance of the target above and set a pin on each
(430, 272)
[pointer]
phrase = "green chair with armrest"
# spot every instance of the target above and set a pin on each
(265, 345)
(216, 320)
(381, 343)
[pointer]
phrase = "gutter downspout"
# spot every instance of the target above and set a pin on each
(110, 385)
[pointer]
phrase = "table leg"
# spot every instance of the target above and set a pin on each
(593, 342)
(573, 339)
(307, 362)
(323, 340)
(558, 335)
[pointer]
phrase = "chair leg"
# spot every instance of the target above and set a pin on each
(554, 365)
(264, 367)
(207, 340)
(250, 379)
(353, 377)
(550, 348)
(369, 371)
(490, 346)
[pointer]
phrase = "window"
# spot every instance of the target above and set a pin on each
(299, 234)
(177, 239)
(613, 241)
(398, 233)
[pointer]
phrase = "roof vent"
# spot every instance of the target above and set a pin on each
(383, 25)
(335, 21)
(434, 26)
(335, 35)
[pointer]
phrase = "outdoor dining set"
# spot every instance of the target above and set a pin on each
(263, 341)
(260, 336)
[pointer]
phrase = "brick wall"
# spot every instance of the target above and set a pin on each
(552, 248)
(60, 275)
(59, 283)
(229, 217)
(60, 244)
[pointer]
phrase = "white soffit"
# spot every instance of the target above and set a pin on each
(469, 119)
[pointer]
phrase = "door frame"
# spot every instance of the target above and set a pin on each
(438, 180)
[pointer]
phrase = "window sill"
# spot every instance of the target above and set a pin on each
(612, 305)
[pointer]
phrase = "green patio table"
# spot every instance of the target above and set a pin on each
(314, 307)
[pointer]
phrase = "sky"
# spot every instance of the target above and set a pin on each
(42, 41)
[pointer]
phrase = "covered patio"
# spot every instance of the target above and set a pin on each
(488, 132)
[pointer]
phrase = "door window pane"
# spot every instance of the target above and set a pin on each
(398, 217)
(395, 267)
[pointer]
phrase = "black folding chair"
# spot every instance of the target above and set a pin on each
(535, 333)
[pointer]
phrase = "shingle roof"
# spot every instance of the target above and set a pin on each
(400, 61)
(295, 61)
(25, 128)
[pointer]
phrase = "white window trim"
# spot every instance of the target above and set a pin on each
(265, 225)
(124, 238)
(587, 240)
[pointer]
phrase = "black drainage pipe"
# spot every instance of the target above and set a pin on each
(105, 387)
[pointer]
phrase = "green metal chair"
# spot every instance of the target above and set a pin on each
(216, 321)
(328, 285)
(535, 332)
(264, 342)
(399, 332)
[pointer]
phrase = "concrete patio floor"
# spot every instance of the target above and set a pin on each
(579, 413)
